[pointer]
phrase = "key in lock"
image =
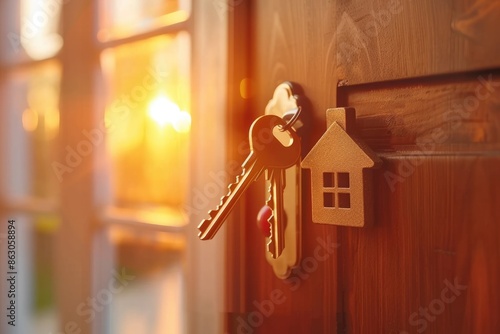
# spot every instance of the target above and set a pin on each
(272, 155)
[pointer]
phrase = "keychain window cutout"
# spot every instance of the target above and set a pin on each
(330, 192)
(343, 180)
(329, 200)
(328, 180)
(344, 201)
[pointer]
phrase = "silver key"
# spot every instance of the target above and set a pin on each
(266, 152)
(276, 242)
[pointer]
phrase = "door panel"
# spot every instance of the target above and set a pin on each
(426, 91)
(451, 113)
(394, 39)
(436, 227)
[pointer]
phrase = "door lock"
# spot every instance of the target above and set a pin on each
(286, 104)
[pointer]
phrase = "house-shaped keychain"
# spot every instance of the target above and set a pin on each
(341, 173)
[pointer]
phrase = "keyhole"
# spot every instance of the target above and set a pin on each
(283, 136)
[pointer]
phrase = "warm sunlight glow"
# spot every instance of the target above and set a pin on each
(165, 112)
(148, 120)
(39, 35)
(30, 120)
(182, 123)
(52, 122)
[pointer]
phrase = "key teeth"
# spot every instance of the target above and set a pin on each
(270, 243)
(238, 177)
(270, 221)
(212, 213)
(224, 198)
(203, 225)
(270, 249)
(232, 186)
(270, 195)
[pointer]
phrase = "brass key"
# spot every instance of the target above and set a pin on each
(266, 152)
(276, 242)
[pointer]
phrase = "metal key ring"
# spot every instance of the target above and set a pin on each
(292, 120)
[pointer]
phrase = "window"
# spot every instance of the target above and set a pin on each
(144, 52)
(148, 117)
(336, 196)
(121, 19)
(30, 83)
(97, 107)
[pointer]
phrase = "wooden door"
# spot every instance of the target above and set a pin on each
(424, 79)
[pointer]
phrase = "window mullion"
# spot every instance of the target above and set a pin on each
(74, 240)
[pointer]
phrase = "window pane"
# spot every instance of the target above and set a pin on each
(30, 125)
(36, 310)
(344, 200)
(343, 180)
(119, 18)
(151, 296)
(328, 180)
(31, 28)
(328, 200)
(148, 120)
(40, 28)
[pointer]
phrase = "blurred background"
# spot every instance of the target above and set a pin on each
(111, 115)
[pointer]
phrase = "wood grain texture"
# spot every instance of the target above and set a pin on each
(436, 194)
(394, 39)
(440, 223)
(286, 46)
(437, 114)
